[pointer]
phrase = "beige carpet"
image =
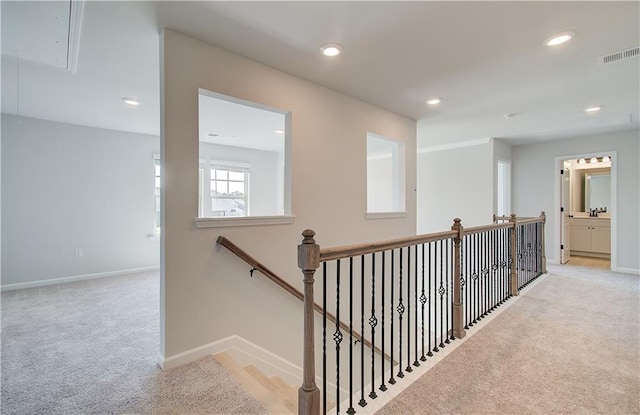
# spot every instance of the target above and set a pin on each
(570, 345)
(91, 348)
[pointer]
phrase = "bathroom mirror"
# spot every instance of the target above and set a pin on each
(597, 190)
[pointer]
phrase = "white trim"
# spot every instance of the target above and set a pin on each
(559, 165)
(451, 146)
(62, 280)
(627, 271)
(202, 223)
(243, 352)
(385, 215)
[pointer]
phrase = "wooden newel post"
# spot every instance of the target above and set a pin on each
(544, 255)
(308, 262)
(458, 312)
(514, 252)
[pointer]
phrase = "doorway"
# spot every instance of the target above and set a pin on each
(586, 202)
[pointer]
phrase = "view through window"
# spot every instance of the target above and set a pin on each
(243, 152)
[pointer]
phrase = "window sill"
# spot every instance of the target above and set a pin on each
(385, 215)
(202, 223)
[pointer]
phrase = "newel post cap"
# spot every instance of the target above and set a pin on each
(308, 252)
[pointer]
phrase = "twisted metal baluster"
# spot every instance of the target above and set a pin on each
(350, 411)
(362, 401)
(441, 291)
(373, 321)
(448, 286)
(383, 387)
(337, 336)
(392, 380)
(429, 297)
(408, 368)
(423, 300)
(415, 320)
(400, 312)
(324, 337)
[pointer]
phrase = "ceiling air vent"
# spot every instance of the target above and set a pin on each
(621, 55)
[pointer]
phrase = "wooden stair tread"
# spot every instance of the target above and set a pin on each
(262, 394)
(287, 395)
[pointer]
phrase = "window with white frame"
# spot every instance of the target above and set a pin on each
(156, 195)
(229, 189)
(385, 175)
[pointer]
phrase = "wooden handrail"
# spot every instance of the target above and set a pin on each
(240, 253)
(478, 229)
(530, 220)
(347, 251)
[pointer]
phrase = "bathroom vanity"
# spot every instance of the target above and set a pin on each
(591, 236)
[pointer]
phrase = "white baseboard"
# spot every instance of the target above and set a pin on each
(53, 281)
(244, 353)
(627, 271)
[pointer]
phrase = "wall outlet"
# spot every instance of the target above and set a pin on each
(77, 253)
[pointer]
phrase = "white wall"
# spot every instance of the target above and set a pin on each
(206, 292)
(66, 187)
(264, 187)
(455, 181)
(533, 186)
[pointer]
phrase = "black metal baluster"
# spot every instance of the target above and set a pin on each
(441, 291)
(373, 322)
(494, 266)
(468, 287)
(487, 285)
(324, 337)
(337, 336)
(400, 312)
(505, 263)
(429, 296)
(351, 411)
(415, 304)
(362, 401)
(451, 285)
(423, 300)
(463, 281)
(392, 380)
(383, 387)
(476, 277)
(408, 368)
(435, 302)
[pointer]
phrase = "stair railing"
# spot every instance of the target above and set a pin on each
(416, 294)
(257, 266)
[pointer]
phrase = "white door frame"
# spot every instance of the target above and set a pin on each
(559, 165)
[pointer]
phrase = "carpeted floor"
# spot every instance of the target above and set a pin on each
(91, 348)
(577, 351)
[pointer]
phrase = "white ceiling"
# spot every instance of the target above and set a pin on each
(485, 58)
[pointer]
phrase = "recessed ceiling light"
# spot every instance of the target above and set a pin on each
(582, 161)
(279, 131)
(606, 159)
(331, 49)
(434, 101)
(559, 38)
(594, 108)
(131, 101)
(593, 160)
